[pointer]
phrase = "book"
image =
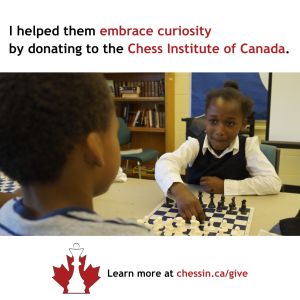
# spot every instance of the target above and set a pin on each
(134, 95)
(136, 118)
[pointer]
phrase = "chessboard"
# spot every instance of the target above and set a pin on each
(7, 185)
(225, 220)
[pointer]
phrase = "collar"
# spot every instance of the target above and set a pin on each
(233, 147)
(20, 209)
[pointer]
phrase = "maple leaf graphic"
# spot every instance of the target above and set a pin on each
(62, 276)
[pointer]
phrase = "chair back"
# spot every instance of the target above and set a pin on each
(272, 153)
(194, 126)
(124, 134)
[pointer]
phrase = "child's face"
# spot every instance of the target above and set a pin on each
(224, 120)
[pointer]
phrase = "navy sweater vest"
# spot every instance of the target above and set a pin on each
(227, 167)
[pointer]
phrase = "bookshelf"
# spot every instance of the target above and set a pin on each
(156, 98)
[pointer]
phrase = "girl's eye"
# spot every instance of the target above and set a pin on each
(230, 123)
(213, 121)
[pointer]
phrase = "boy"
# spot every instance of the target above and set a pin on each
(58, 139)
(220, 161)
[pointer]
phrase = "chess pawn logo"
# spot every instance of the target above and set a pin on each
(76, 283)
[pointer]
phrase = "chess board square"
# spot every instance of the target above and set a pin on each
(242, 217)
(241, 222)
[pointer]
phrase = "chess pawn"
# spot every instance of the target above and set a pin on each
(158, 224)
(194, 222)
(76, 283)
(206, 228)
(196, 231)
(211, 227)
(169, 228)
(169, 222)
(236, 231)
(221, 232)
(224, 226)
(168, 232)
(181, 228)
(220, 206)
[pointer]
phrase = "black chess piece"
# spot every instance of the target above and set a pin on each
(200, 198)
(220, 206)
(211, 203)
(222, 200)
(243, 208)
(169, 202)
(233, 203)
(231, 209)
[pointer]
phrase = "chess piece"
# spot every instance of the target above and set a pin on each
(206, 230)
(221, 232)
(243, 208)
(76, 283)
(196, 231)
(236, 231)
(169, 228)
(200, 198)
(222, 199)
(233, 203)
(180, 227)
(158, 224)
(224, 225)
(194, 222)
(211, 203)
(220, 206)
(169, 202)
(231, 209)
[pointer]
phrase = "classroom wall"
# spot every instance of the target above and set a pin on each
(289, 169)
(182, 105)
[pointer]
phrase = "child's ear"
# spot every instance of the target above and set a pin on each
(94, 153)
(244, 123)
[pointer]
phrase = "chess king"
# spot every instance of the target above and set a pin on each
(76, 283)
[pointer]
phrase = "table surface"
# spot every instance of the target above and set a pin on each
(136, 198)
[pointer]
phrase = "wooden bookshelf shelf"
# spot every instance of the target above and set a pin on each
(147, 129)
(139, 99)
(153, 108)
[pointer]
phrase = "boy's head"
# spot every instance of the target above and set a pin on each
(45, 117)
(226, 110)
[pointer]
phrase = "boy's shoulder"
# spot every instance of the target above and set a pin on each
(67, 222)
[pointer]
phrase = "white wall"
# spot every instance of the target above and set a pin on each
(182, 105)
(285, 107)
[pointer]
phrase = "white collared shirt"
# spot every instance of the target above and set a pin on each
(264, 179)
(233, 147)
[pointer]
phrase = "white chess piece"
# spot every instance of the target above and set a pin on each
(181, 226)
(236, 231)
(169, 228)
(224, 226)
(76, 283)
(206, 228)
(194, 222)
(221, 231)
